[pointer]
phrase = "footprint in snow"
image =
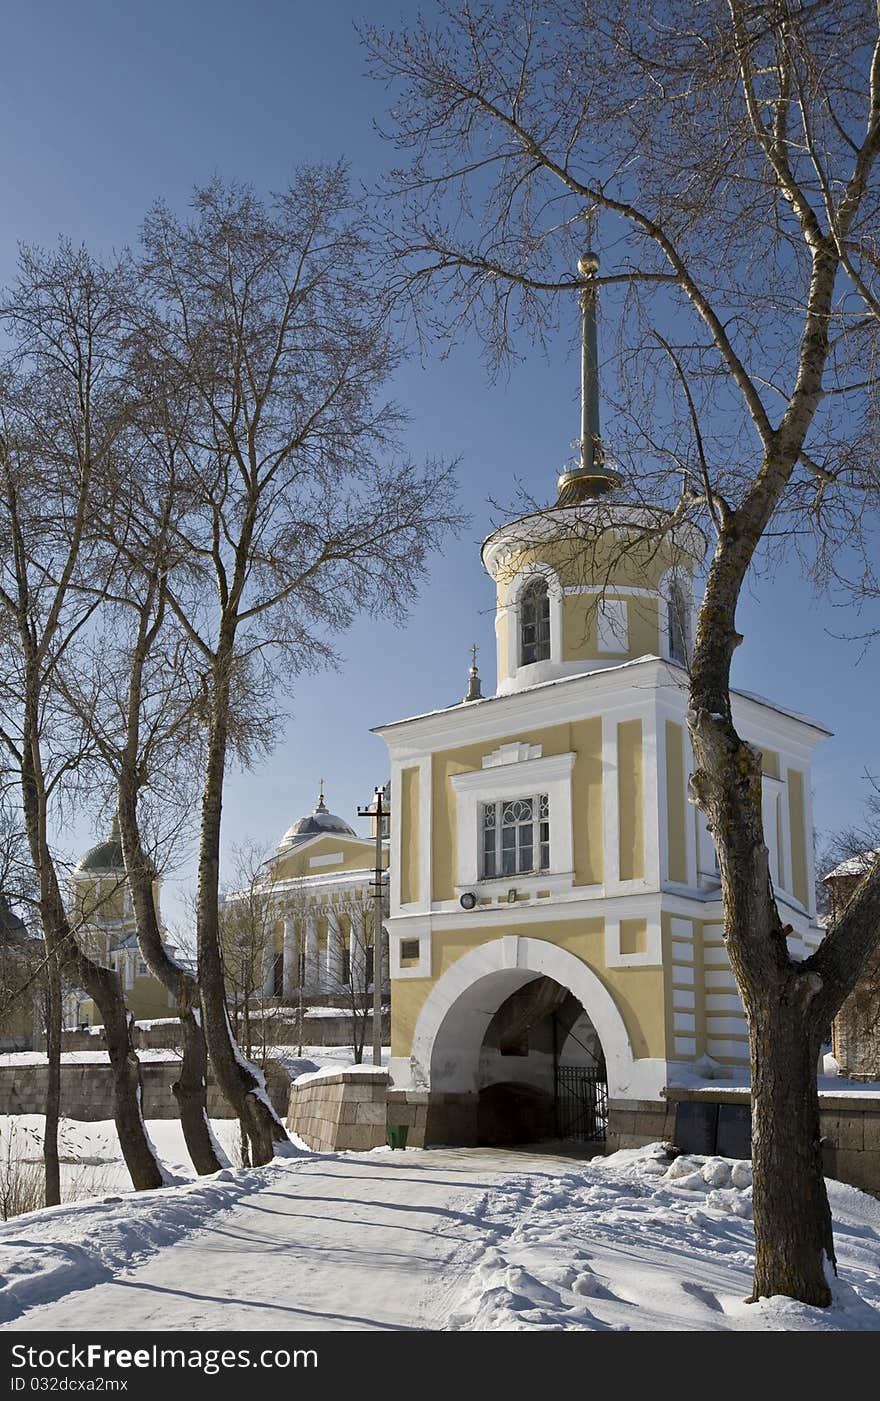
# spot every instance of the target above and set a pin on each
(702, 1295)
(520, 1279)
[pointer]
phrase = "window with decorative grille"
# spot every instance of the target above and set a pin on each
(516, 836)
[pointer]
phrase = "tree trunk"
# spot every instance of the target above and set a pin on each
(240, 1081)
(102, 984)
(191, 1093)
(51, 1164)
(792, 1216)
(791, 1213)
(137, 1151)
(191, 1089)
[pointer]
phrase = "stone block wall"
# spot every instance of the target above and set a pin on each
(87, 1091)
(318, 1030)
(409, 1108)
(855, 1031)
(635, 1122)
(342, 1112)
(850, 1130)
(849, 1125)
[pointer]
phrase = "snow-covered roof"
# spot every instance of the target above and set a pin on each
(854, 865)
(317, 823)
(559, 682)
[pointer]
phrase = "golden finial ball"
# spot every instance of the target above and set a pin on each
(588, 263)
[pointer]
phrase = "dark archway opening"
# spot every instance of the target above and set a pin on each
(541, 1075)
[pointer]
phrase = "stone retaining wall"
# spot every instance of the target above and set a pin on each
(340, 1112)
(318, 1030)
(849, 1125)
(87, 1091)
(409, 1109)
(634, 1122)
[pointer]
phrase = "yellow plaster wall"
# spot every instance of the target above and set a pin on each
(676, 807)
(409, 836)
(580, 563)
(586, 741)
(356, 857)
(796, 813)
(630, 798)
(583, 738)
(633, 935)
(148, 998)
(637, 992)
(579, 627)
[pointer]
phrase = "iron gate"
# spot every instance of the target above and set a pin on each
(581, 1103)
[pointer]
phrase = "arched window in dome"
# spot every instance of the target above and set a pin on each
(678, 622)
(534, 623)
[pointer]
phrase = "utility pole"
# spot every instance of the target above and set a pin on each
(377, 892)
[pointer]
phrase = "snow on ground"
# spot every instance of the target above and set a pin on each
(464, 1239)
(717, 1080)
(636, 1242)
(92, 1162)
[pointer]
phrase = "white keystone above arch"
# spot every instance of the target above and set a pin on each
(453, 1021)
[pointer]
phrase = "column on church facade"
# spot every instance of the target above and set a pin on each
(386, 958)
(357, 950)
(268, 969)
(312, 975)
(290, 973)
(334, 950)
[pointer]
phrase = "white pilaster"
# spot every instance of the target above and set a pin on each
(357, 950)
(334, 950)
(312, 973)
(268, 969)
(290, 969)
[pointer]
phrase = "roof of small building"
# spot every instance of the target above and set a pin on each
(856, 865)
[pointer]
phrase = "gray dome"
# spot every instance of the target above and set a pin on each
(107, 855)
(317, 823)
(12, 929)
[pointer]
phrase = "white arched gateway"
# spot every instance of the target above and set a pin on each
(453, 1022)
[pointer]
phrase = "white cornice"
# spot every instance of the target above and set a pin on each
(569, 698)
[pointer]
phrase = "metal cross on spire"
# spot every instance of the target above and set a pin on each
(474, 690)
(591, 478)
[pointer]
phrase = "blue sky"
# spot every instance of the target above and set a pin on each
(103, 108)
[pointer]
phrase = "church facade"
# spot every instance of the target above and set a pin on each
(311, 912)
(555, 906)
(103, 916)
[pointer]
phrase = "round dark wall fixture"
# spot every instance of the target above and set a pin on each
(468, 900)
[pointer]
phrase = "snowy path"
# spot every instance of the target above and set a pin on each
(470, 1238)
(359, 1242)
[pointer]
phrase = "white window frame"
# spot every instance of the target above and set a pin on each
(505, 781)
(513, 611)
(680, 578)
(537, 821)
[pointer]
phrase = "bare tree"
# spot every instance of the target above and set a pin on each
(60, 412)
(248, 916)
(731, 151)
(132, 688)
(266, 320)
